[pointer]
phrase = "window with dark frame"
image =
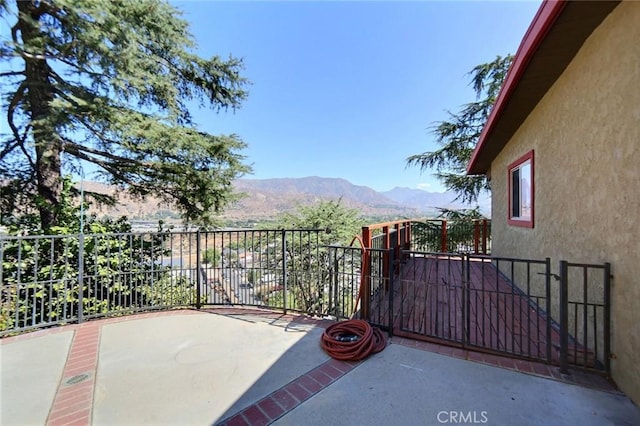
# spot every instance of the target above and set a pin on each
(521, 191)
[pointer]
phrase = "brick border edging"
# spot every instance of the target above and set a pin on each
(73, 402)
(538, 369)
(281, 401)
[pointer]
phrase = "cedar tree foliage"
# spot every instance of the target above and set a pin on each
(107, 84)
(340, 222)
(458, 135)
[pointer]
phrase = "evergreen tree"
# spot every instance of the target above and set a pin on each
(312, 265)
(459, 135)
(109, 83)
(341, 223)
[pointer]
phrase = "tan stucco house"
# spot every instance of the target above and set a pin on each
(562, 151)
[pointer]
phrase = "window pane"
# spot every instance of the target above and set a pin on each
(525, 190)
(520, 181)
(515, 193)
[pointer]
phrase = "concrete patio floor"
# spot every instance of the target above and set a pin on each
(231, 366)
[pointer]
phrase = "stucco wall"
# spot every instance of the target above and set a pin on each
(586, 137)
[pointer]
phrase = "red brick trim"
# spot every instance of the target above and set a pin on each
(288, 397)
(73, 401)
(521, 365)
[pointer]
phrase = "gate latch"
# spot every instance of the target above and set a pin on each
(551, 274)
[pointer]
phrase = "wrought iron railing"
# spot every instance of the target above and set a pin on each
(585, 315)
(511, 301)
(517, 307)
(50, 280)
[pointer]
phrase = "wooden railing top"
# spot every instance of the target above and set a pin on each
(389, 224)
(405, 221)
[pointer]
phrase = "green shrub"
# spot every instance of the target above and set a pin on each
(211, 256)
(121, 270)
(253, 276)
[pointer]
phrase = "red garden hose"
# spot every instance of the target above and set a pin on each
(352, 340)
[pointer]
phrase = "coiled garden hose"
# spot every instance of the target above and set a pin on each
(352, 340)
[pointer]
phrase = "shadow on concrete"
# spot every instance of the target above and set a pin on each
(407, 386)
(300, 358)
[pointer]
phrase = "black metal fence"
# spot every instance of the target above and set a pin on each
(49, 280)
(509, 306)
(376, 284)
(585, 311)
(431, 290)
(513, 306)
(510, 300)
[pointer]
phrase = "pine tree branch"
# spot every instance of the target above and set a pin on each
(11, 73)
(77, 149)
(110, 84)
(13, 104)
(458, 136)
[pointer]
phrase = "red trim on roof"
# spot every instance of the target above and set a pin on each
(542, 22)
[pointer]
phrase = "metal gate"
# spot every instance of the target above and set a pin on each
(517, 307)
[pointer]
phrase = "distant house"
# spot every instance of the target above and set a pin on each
(562, 150)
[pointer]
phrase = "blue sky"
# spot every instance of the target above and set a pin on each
(350, 89)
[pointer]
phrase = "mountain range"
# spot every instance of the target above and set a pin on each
(267, 198)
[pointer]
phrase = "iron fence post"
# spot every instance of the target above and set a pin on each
(365, 284)
(548, 305)
(466, 299)
(335, 278)
(199, 271)
(564, 317)
(607, 318)
(81, 277)
(390, 297)
(399, 242)
(284, 271)
(476, 236)
(386, 244)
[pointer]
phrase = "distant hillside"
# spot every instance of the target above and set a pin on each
(320, 187)
(427, 201)
(126, 205)
(268, 198)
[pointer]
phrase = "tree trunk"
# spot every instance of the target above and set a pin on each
(40, 93)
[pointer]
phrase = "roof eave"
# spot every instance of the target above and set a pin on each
(545, 18)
